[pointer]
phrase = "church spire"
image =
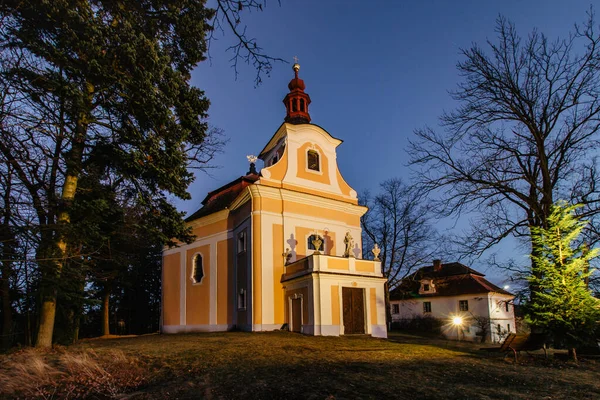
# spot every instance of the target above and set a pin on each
(296, 101)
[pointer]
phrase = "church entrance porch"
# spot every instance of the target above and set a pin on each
(353, 310)
(332, 296)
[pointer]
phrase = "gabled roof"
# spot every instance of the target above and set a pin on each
(282, 130)
(222, 197)
(452, 279)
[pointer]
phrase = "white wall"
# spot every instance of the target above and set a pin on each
(445, 308)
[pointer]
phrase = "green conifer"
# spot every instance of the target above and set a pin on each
(563, 305)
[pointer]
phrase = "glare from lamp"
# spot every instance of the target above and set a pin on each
(457, 321)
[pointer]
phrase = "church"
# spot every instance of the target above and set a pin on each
(278, 248)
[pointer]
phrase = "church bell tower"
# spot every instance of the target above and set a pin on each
(297, 101)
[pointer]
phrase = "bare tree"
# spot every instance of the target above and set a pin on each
(228, 19)
(523, 136)
(399, 221)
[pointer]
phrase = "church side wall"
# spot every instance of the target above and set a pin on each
(171, 276)
(198, 294)
(208, 305)
(225, 283)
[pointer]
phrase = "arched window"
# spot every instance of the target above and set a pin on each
(311, 246)
(198, 271)
(313, 160)
(302, 105)
(295, 105)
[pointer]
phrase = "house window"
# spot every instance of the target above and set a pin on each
(241, 242)
(311, 246)
(427, 307)
(508, 327)
(463, 305)
(426, 287)
(198, 269)
(506, 306)
(395, 308)
(242, 299)
(313, 160)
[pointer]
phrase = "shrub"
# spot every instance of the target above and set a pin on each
(419, 323)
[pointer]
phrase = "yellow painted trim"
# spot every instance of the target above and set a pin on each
(344, 187)
(256, 269)
(373, 306)
(338, 263)
(335, 305)
(321, 176)
(320, 212)
(212, 229)
(302, 234)
(197, 296)
(365, 266)
(278, 170)
(278, 270)
(171, 289)
(223, 280)
(327, 195)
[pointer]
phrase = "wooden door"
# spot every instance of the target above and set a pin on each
(354, 310)
(296, 315)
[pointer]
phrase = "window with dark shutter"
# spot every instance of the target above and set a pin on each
(313, 160)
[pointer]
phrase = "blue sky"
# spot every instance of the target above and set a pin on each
(375, 72)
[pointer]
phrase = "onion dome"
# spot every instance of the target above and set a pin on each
(296, 101)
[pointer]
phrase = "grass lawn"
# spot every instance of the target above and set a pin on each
(240, 365)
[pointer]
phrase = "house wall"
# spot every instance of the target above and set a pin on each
(499, 317)
(446, 307)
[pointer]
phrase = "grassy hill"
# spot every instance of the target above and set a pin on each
(240, 365)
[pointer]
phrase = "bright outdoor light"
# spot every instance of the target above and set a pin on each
(506, 287)
(457, 320)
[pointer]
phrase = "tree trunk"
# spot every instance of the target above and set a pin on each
(6, 301)
(573, 354)
(388, 311)
(73, 160)
(28, 331)
(105, 312)
(7, 255)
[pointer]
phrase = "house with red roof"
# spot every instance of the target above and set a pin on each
(460, 297)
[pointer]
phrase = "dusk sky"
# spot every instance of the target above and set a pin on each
(375, 72)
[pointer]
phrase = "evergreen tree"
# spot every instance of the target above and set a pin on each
(115, 77)
(563, 305)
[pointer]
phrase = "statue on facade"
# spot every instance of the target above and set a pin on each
(349, 242)
(287, 255)
(317, 242)
(376, 251)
